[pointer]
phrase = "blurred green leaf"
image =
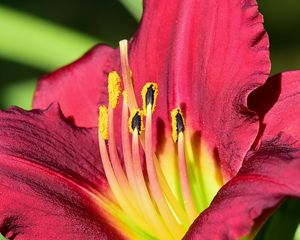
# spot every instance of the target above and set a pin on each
(2, 238)
(283, 224)
(38, 43)
(297, 234)
(135, 7)
(18, 94)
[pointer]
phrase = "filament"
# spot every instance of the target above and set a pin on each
(115, 161)
(184, 179)
(144, 195)
(157, 194)
(115, 187)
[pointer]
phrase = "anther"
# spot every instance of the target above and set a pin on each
(177, 123)
(103, 122)
(136, 121)
(180, 123)
(114, 88)
(149, 95)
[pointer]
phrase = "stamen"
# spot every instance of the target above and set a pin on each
(127, 149)
(177, 123)
(178, 128)
(114, 88)
(149, 96)
(149, 208)
(125, 142)
(176, 207)
(115, 160)
(174, 227)
(114, 92)
(112, 181)
(145, 203)
(184, 179)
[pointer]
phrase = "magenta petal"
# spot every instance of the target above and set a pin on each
(78, 86)
(206, 57)
(47, 169)
(285, 114)
(268, 174)
(47, 139)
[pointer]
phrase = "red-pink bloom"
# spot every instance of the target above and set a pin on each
(210, 60)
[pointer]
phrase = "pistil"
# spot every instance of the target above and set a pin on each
(132, 103)
(126, 75)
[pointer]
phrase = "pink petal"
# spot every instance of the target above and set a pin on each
(268, 174)
(206, 56)
(48, 169)
(78, 86)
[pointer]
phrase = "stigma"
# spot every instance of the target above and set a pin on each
(142, 203)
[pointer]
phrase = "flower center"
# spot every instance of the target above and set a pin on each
(150, 203)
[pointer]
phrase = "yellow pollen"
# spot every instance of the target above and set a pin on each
(174, 115)
(125, 96)
(149, 96)
(103, 122)
(114, 88)
(133, 122)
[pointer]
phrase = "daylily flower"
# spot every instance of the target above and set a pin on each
(212, 149)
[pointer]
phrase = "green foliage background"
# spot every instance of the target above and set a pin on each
(39, 36)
